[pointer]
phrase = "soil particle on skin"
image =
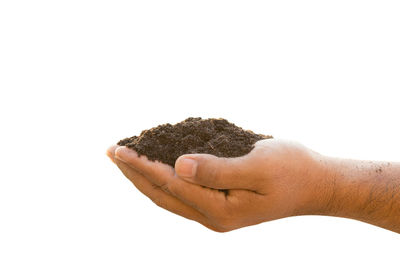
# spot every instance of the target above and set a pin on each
(166, 142)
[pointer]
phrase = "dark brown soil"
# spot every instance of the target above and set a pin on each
(165, 143)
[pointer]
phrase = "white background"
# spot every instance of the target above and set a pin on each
(77, 76)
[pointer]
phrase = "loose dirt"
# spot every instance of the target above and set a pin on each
(166, 142)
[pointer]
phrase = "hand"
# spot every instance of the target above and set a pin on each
(276, 179)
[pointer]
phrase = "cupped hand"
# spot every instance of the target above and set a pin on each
(276, 179)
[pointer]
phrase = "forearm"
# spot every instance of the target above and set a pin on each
(363, 190)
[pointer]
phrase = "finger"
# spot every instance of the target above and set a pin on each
(214, 172)
(207, 200)
(110, 152)
(158, 196)
(203, 199)
(156, 171)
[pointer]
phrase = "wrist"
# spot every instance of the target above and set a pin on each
(318, 186)
(330, 177)
(344, 186)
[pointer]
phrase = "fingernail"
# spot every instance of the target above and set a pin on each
(111, 151)
(186, 167)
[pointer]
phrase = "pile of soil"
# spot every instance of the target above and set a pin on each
(165, 143)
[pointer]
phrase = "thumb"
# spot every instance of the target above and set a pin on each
(211, 171)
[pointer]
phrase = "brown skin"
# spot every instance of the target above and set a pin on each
(276, 179)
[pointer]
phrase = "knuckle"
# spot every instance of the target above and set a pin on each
(215, 175)
(225, 221)
(227, 224)
(173, 189)
(165, 187)
(214, 227)
(223, 172)
(210, 169)
(159, 202)
(219, 175)
(216, 210)
(227, 217)
(218, 229)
